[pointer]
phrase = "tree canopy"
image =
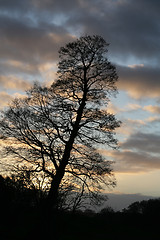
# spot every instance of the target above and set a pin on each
(57, 130)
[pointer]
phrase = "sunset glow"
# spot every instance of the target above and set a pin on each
(31, 35)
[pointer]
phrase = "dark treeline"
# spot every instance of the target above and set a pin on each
(22, 217)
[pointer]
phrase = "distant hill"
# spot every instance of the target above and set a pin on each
(121, 201)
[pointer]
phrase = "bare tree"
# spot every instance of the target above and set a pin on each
(58, 130)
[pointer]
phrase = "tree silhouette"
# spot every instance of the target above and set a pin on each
(57, 130)
(145, 207)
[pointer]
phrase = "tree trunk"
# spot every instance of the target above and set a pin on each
(53, 193)
(51, 202)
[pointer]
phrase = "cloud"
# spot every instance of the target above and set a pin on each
(15, 67)
(12, 82)
(129, 161)
(146, 142)
(135, 65)
(48, 72)
(152, 109)
(132, 107)
(130, 126)
(32, 32)
(21, 41)
(135, 162)
(139, 152)
(140, 82)
(5, 98)
(111, 108)
(130, 26)
(154, 119)
(58, 6)
(16, 7)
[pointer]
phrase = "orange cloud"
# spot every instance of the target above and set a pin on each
(133, 106)
(152, 109)
(12, 82)
(154, 119)
(5, 98)
(48, 72)
(136, 65)
(21, 66)
(111, 108)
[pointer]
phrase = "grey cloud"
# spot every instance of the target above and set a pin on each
(137, 28)
(145, 142)
(140, 81)
(23, 42)
(139, 153)
(56, 5)
(16, 6)
(130, 161)
(30, 32)
(132, 27)
(18, 68)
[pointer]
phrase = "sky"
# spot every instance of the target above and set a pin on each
(31, 33)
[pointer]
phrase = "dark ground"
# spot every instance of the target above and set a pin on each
(19, 220)
(31, 224)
